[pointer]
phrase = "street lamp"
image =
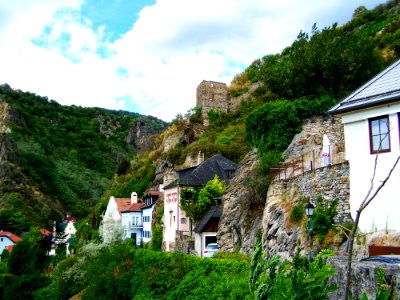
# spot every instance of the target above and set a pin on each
(309, 212)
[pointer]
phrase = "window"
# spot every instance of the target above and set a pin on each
(183, 220)
(379, 134)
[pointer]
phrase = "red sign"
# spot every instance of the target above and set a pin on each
(171, 197)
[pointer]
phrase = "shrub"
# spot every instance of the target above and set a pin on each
(323, 217)
(297, 213)
(273, 278)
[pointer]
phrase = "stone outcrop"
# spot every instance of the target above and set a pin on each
(8, 115)
(302, 175)
(242, 210)
(280, 236)
(244, 214)
(141, 135)
(364, 278)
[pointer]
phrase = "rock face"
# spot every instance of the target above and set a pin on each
(242, 210)
(245, 214)
(141, 135)
(364, 277)
(10, 175)
(282, 237)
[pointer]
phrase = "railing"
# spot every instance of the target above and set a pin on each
(305, 163)
(134, 225)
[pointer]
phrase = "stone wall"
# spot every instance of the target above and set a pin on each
(211, 95)
(308, 144)
(282, 237)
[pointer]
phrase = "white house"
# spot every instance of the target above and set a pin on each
(149, 199)
(131, 217)
(370, 116)
(124, 213)
(8, 240)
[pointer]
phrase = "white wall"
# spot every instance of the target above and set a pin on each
(171, 205)
(4, 242)
(132, 223)
(383, 212)
(147, 214)
(200, 241)
(173, 215)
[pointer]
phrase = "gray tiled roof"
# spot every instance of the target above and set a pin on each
(206, 171)
(199, 176)
(383, 88)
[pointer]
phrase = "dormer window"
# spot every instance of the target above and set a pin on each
(379, 134)
(229, 173)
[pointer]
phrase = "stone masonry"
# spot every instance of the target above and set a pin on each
(211, 95)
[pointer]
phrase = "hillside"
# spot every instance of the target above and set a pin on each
(56, 159)
(59, 160)
(269, 102)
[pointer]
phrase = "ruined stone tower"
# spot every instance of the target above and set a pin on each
(211, 95)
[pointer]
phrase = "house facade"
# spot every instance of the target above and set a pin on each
(371, 119)
(207, 228)
(176, 223)
(132, 216)
(8, 240)
(123, 219)
(150, 198)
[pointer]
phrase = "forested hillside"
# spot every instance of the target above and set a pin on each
(61, 158)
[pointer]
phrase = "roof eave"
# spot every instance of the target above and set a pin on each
(337, 110)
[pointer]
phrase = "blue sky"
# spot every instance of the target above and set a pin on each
(147, 56)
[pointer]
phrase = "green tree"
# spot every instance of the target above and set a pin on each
(196, 202)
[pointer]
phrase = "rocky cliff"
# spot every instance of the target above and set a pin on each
(249, 211)
(242, 209)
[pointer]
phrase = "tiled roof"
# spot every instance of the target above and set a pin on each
(206, 171)
(45, 231)
(213, 212)
(133, 207)
(11, 236)
(124, 205)
(383, 88)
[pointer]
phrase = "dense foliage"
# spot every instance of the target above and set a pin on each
(273, 278)
(197, 201)
(121, 271)
(70, 153)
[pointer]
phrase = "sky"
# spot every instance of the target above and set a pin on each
(147, 56)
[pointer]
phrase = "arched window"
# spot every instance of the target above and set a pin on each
(183, 220)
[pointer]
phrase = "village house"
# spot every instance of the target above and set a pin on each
(370, 116)
(175, 221)
(8, 240)
(150, 198)
(207, 228)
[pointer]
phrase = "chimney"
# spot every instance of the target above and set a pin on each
(133, 198)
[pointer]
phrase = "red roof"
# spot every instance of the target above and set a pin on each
(11, 236)
(45, 231)
(9, 248)
(124, 205)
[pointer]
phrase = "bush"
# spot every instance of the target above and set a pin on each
(273, 278)
(297, 213)
(323, 217)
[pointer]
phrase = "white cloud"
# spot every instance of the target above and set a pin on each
(156, 66)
